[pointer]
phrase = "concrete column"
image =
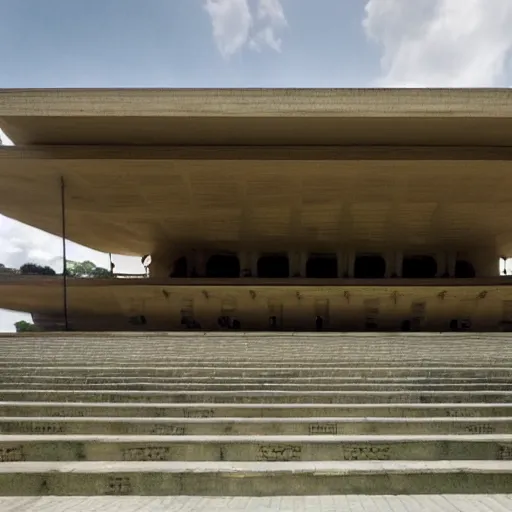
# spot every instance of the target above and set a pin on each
(161, 264)
(190, 262)
(253, 258)
(441, 261)
(351, 262)
(303, 262)
(399, 258)
(244, 258)
(451, 260)
(293, 263)
(486, 262)
(389, 257)
(199, 263)
(342, 263)
(159, 268)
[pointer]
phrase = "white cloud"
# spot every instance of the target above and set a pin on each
(271, 15)
(441, 43)
(4, 140)
(246, 23)
(231, 23)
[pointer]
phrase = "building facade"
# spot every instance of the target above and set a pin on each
(267, 209)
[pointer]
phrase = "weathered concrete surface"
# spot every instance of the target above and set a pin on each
(255, 479)
(254, 448)
(274, 415)
(186, 386)
(267, 351)
(111, 304)
(311, 425)
(475, 122)
(209, 410)
(269, 396)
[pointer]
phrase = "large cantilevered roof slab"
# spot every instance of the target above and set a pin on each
(453, 117)
(139, 200)
(367, 168)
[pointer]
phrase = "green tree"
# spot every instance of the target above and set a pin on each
(86, 269)
(34, 268)
(24, 326)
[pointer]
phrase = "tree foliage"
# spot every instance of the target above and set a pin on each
(34, 268)
(86, 269)
(73, 269)
(24, 326)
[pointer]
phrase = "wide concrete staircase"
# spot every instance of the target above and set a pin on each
(255, 414)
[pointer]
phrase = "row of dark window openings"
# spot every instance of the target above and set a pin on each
(229, 322)
(232, 323)
(321, 267)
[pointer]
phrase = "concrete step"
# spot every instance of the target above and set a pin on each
(269, 352)
(99, 379)
(254, 479)
(255, 426)
(17, 448)
(227, 340)
(422, 363)
(281, 410)
(267, 371)
(31, 395)
(186, 386)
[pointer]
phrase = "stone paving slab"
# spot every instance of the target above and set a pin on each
(349, 503)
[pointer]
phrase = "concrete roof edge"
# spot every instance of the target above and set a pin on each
(256, 102)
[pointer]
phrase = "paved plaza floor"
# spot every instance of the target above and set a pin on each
(430, 503)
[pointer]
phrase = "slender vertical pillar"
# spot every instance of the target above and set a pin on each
(254, 256)
(199, 263)
(451, 262)
(399, 260)
(244, 258)
(441, 263)
(303, 263)
(342, 263)
(64, 257)
(389, 257)
(351, 263)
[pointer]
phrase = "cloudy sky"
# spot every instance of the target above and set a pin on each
(241, 43)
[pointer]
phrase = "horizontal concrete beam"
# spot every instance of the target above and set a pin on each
(268, 102)
(261, 153)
